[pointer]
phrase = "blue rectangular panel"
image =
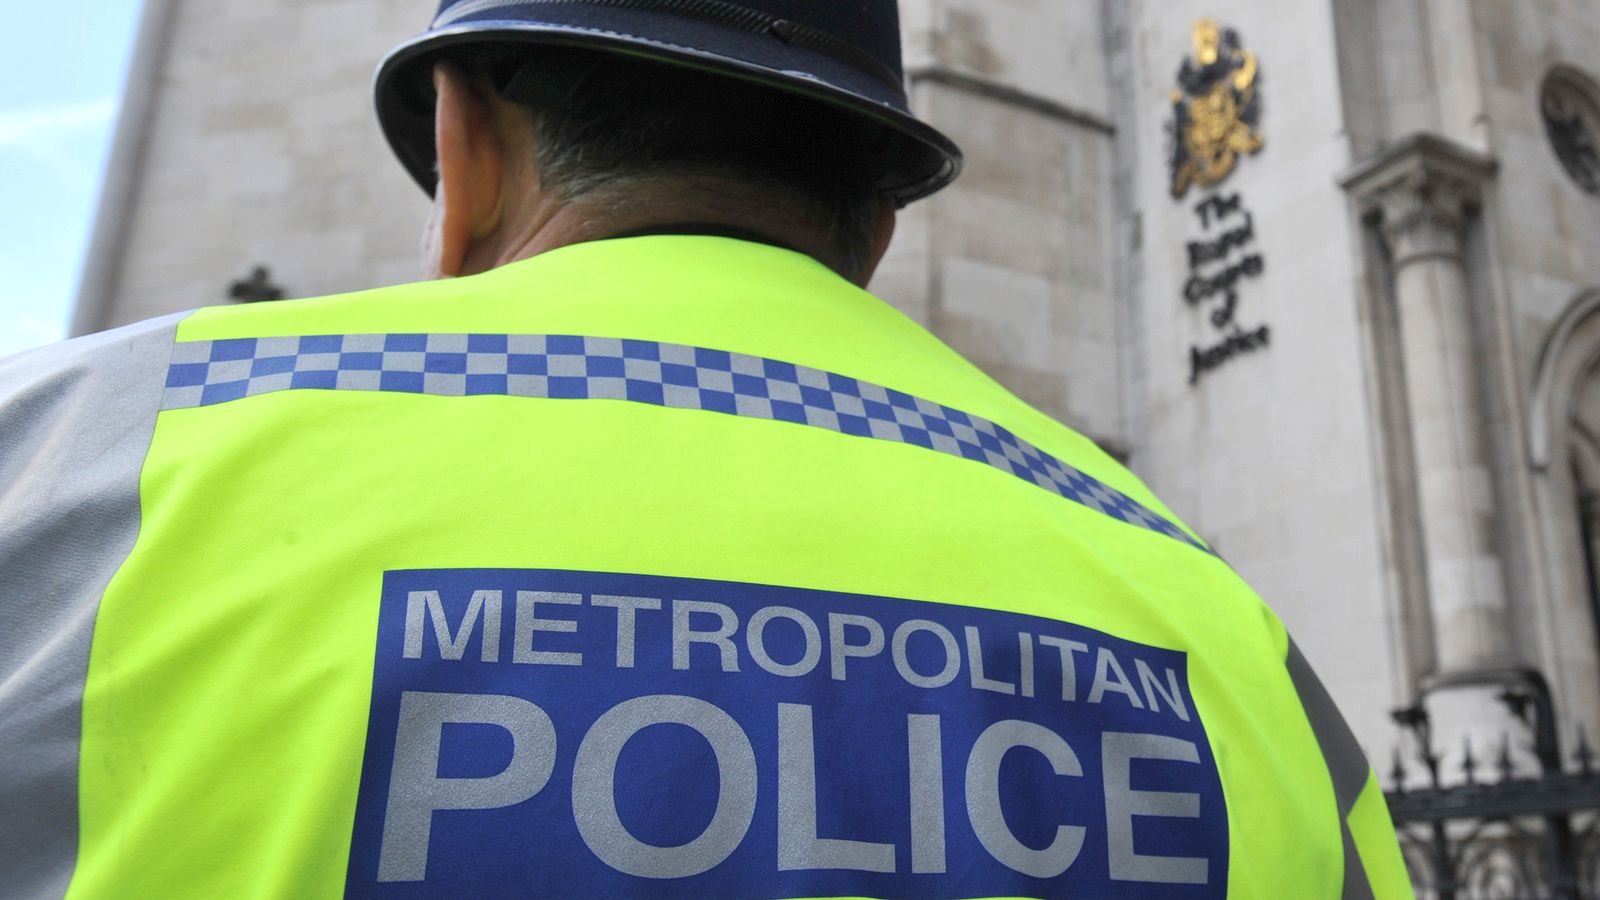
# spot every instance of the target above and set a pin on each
(578, 734)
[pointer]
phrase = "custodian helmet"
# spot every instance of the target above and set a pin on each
(842, 52)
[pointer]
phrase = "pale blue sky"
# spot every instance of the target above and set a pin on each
(60, 83)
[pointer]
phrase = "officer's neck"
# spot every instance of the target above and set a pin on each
(717, 208)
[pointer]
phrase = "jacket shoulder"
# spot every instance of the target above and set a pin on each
(85, 358)
(65, 405)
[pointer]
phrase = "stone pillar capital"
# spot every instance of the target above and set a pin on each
(1421, 193)
(1424, 214)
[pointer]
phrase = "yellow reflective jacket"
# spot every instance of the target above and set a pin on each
(667, 566)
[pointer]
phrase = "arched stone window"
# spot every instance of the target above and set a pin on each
(1564, 447)
(1570, 104)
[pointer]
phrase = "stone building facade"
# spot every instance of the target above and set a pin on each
(1363, 363)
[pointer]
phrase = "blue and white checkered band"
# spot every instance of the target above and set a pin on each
(207, 373)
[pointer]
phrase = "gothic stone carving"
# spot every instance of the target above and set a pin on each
(1422, 192)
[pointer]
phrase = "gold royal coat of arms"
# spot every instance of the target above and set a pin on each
(1215, 109)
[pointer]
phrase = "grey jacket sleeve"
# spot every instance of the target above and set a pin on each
(76, 421)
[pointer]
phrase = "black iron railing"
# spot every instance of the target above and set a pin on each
(1515, 837)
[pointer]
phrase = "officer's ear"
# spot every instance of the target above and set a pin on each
(882, 235)
(467, 205)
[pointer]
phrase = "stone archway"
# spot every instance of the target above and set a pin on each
(1564, 447)
(1584, 447)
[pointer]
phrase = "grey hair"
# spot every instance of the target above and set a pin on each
(611, 129)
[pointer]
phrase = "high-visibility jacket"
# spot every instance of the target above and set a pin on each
(668, 566)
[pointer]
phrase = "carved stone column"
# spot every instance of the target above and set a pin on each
(1422, 194)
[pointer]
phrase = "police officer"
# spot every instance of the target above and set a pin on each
(642, 553)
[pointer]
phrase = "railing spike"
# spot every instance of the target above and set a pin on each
(1584, 755)
(1507, 769)
(1397, 772)
(1469, 763)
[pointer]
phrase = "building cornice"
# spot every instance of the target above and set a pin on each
(1009, 95)
(1420, 192)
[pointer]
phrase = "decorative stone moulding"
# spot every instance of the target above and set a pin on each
(1570, 105)
(1421, 192)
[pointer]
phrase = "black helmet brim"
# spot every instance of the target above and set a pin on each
(920, 160)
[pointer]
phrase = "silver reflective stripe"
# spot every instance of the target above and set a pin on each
(1346, 763)
(1356, 885)
(75, 425)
